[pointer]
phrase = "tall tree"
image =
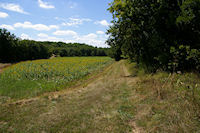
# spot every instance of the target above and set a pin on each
(146, 30)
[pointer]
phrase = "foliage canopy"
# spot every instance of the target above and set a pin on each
(13, 49)
(157, 34)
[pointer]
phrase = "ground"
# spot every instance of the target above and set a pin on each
(4, 65)
(120, 99)
(97, 106)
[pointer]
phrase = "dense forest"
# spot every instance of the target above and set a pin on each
(14, 49)
(157, 34)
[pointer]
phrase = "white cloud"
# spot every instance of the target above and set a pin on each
(53, 27)
(8, 27)
(90, 36)
(100, 32)
(42, 35)
(45, 37)
(76, 21)
(25, 36)
(102, 22)
(45, 5)
(65, 33)
(91, 39)
(39, 27)
(12, 7)
(3, 15)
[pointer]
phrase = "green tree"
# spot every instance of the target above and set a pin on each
(8, 44)
(146, 30)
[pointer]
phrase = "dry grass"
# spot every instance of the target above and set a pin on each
(116, 101)
(168, 103)
(100, 106)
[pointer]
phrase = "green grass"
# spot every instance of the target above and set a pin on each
(113, 102)
(98, 108)
(32, 78)
(167, 102)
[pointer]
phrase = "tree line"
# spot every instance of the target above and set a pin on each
(14, 49)
(157, 34)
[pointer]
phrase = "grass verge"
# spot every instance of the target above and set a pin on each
(166, 102)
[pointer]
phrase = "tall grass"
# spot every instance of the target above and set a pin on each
(167, 102)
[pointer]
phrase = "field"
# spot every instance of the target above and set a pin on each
(120, 99)
(32, 78)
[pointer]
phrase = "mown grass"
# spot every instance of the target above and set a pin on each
(167, 102)
(32, 78)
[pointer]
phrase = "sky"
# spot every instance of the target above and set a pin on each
(82, 21)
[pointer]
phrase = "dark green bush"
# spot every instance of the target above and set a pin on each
(184, 58)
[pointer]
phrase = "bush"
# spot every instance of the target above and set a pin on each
(184, 58)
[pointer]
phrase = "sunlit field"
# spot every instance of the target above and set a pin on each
(31, 78)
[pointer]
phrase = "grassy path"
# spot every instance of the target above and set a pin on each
(101, 106)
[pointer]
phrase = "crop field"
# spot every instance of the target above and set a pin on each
(31, 78)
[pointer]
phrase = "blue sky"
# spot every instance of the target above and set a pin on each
(83, 21)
